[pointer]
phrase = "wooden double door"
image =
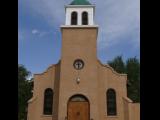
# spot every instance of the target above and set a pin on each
(78, 110)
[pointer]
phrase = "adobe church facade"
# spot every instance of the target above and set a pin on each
(79, 86)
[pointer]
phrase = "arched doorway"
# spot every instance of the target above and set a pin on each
(78, 108)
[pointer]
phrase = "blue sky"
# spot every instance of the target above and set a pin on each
(39, 36)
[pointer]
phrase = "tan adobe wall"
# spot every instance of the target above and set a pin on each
(31, 108)
(78, 43)
(108, 78)
(132, 110)
(95, 79)
(48, 79)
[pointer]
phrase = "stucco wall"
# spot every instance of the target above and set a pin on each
(94, 89)
(134, 111)
(108, 78)
(78, 43)
(131, 110)
(48, 79)
(95, 80)
(31, 108)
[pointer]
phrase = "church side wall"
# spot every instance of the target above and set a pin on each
(41, 82)
(126, 108)
(131, 110)
(134, 111)
(110, 79)
(31, 109)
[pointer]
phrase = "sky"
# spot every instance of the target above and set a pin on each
(39, 36)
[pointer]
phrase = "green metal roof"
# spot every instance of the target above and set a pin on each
(80, 2)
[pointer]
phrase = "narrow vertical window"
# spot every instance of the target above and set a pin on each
(48, 101)
(111, 102)
(84, 18)
(74, 18)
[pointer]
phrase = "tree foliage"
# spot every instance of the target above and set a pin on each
(24, 91)
(132, 68)
(133, 73)
(118, 64)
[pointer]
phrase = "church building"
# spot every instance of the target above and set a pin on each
(79, 86)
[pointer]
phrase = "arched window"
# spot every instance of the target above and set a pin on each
(111, 102)
(78, 98)
(48, 101)
(74, 18)
(84, 18)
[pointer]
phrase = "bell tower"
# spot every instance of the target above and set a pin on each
(78, 55)
(79, 12)
(79, 34)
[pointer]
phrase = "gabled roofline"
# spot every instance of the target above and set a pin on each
(53, 65)
(108, 66)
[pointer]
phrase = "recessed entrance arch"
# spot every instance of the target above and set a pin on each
(78, 108)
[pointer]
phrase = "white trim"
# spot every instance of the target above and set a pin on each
(79, 26)
(80, 9)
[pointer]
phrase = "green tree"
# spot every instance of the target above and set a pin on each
(118, 64)
(24, 91)
(133, 73)
(132, 68)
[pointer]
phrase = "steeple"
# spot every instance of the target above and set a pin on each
(79, 12)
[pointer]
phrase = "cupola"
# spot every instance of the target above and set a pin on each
(79, 12)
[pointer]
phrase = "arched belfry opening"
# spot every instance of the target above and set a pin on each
(78, 108)
(80, 12)
(74, 18)
(85, 18)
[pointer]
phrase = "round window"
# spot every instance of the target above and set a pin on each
(78, 64)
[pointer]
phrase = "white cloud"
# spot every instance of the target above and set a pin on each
(39, 33)
(121, 19)
(51, 10)
(116, 18)
(43, 34)
(34, 31)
